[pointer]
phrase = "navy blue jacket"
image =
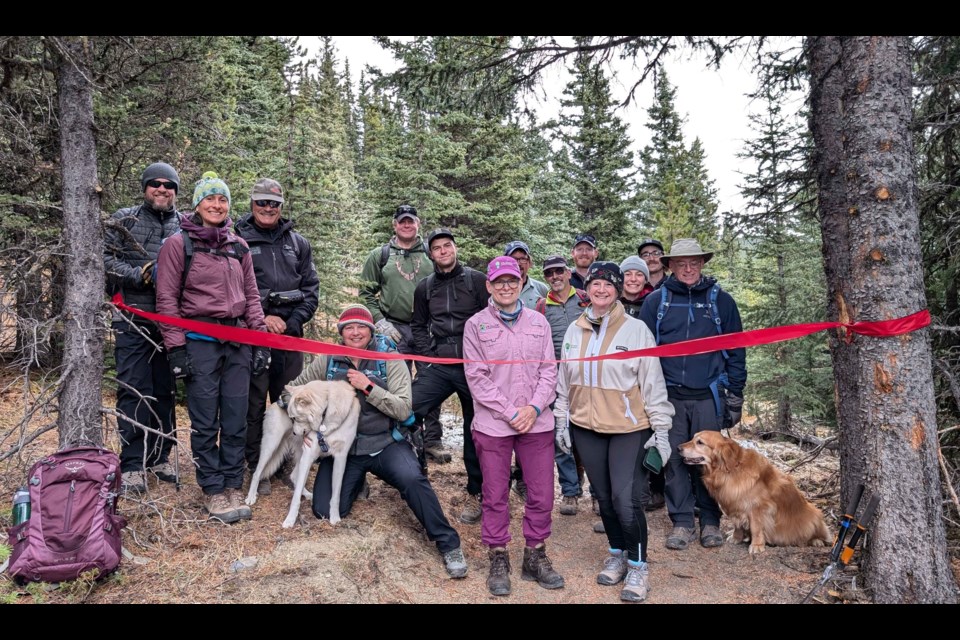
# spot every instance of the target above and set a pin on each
(678, 324)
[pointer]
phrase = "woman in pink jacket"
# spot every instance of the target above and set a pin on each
(216, 285)
(512, 415)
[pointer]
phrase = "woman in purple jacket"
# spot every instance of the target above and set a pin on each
(217, 285)
(512, 414)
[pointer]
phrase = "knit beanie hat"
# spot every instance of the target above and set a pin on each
(160, 170)
(355, 313)
(609, 271)
(635, 263)
(208, 185)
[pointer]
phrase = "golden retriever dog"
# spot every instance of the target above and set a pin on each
(318, 408)
(763, 503)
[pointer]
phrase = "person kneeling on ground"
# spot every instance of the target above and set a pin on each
(384, 391)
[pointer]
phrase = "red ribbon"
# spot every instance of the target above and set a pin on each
(880, 329)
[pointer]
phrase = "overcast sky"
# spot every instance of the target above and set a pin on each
(713, 103)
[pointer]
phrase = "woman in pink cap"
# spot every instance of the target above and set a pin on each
(512, 415)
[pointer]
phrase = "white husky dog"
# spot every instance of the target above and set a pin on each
(320, 414)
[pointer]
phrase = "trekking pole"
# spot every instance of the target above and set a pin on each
(845, 522)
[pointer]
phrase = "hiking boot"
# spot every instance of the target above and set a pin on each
(437, 453)
(680, 537)
(568, 506)
(636, 585)
(598, 527)
(657, 501)
(164, 472)
(537, 567)
(614, 568)
(221, 508)
(710, 536)
(596, 506)
(472, 511)
(236, 501)
(455, 563)
(520, 488)
(264, 488)
(498, 582)
(133, 482)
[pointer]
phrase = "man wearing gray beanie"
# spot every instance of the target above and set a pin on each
(146, 390)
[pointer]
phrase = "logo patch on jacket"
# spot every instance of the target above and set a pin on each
(620, 347)
(255, 250)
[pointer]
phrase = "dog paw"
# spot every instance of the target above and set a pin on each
(334, 518)
(251, 499)
(756, 548)
(289, 522)
(817, 543)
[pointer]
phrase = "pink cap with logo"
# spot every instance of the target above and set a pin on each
(502, 266)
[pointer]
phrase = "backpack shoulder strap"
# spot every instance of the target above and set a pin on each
(541, 305)
(715, 313)
(430, 280)
(662, 308)
(384, 255)
(187, 258)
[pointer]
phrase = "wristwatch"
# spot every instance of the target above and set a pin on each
(368, 389)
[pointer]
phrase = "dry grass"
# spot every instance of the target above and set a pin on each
(380, 554)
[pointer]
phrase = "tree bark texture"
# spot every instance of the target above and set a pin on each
(860, 119)
(79, 419)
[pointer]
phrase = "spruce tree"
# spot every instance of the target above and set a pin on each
(599, 163)
(677, 198)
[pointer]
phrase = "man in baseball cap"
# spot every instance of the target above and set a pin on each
(531, 290)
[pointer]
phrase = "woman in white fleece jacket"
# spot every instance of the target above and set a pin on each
(614, 410)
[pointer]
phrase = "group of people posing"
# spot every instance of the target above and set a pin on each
(531, 394)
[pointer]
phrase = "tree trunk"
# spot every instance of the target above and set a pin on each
(80, 396)
(861, 111)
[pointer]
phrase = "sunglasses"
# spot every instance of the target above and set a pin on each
(550, 273)
(273, 204)
(156, 184)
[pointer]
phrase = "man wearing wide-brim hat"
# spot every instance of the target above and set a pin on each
(706, 390)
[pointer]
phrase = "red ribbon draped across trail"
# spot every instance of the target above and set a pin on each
(881, 329)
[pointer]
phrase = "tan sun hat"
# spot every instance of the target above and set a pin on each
(685, 248)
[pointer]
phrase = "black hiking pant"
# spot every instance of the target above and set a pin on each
(396, 465)
(434, 384)
(217, 402)
(284, 367)
(432, 427)
(614, 464)
(147, 373)
(684, 483)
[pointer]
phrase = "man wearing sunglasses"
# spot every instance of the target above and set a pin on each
(288, 284)
(146, 391)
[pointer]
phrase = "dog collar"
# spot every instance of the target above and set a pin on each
(323, 443)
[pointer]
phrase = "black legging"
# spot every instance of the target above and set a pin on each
(614, 464)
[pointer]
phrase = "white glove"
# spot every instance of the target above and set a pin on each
(386, 328)
(661, 440)
(562, 435)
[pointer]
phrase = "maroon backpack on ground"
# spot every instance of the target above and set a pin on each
(73, 525)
